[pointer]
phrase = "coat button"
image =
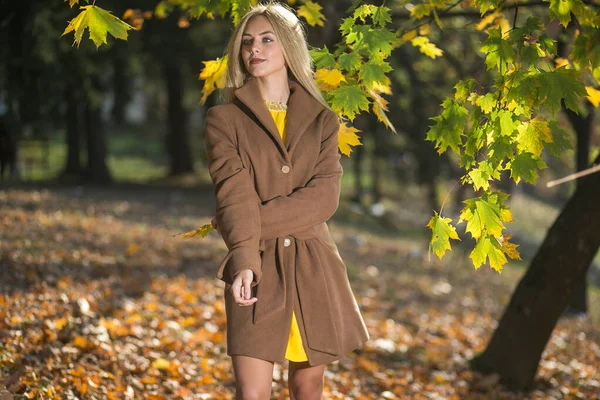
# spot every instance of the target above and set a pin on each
(285, 169)
(287, 242)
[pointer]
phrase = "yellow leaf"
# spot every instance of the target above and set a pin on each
(347, 137)
(382, 87)
(161, 363)
(488, 19)
(424, 30)
(426, 47)
(132, 249)
(410, 35)
(562, 62)
(379, 108)
(330, 77)
(72, 2)
(510, 248)
(311, 12)
(213, 75)
(593, 95)
(202, 232)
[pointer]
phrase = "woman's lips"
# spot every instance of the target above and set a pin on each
(256, 61)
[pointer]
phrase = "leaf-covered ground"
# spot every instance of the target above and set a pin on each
(99, 301)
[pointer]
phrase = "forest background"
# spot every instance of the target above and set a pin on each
(110, 165)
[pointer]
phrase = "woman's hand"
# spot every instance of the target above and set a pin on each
(213, 222)
(241, 288)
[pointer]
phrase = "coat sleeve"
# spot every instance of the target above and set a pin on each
(315, 202)
(237, 208)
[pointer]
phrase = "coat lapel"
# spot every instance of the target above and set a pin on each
(302, 110)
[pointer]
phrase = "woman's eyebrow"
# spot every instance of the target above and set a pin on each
(262, 33)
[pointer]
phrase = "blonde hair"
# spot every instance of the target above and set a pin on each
(292, 38)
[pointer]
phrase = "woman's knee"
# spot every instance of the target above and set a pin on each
(251, 392)
(306, 384)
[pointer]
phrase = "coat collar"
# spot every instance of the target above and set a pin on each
(302, 110)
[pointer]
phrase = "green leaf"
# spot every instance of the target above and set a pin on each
(349, 100)
(463, 88)
(382, 16)
(525, 166)
(486, 102)
(374, 72)
(376, 41)
(560, 140)
(562, 9)
(311, 12)
(350, 61)
(498, 51)
(506, 122)
(558, 84)
(441, 233)
(99, 22)
(347, 25)
(485, 5)
(532, 136)
(488, 247)
(323, 58)
(483, 215)
(364, 11)
(449, 127)
(482, 174)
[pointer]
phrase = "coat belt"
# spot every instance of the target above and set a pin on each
(311, 282)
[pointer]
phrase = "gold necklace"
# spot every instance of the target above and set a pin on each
(275, 105)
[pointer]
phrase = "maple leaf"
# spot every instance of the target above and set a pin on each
(379, 108)
(593, 95)
(482, 175)
(426, 47)
(558, 84)
(349, 100)
(486, 102)
(525, 166)
(482, 215)
(203, 231)
(498, 51)
(323, 58)
(463, 88)
(560, 140)
(449, 128)
(99, 22)
(350, 61)
(311, 12)
(562, 9)
(213, 75)
(510, 249)
(532, 136)
(441, 233)
(72, 2)
(331, 78)
(374, 72)
(347, 137)
(488, 247)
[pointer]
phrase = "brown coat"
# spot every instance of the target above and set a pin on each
(272, 204)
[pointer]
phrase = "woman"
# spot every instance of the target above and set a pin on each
(274, 162)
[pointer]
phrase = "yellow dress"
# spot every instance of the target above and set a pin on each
(295, 350)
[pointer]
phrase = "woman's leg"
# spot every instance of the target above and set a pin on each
(305, 382)
(253, 378)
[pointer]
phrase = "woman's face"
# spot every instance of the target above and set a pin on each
(261, 50)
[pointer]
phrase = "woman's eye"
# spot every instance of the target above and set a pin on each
(246, 41)
(267, 39)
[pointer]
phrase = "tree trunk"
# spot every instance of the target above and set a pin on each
(583, 127)
(178, 141)
(97, 170)
(73, 164)
(516, 346)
